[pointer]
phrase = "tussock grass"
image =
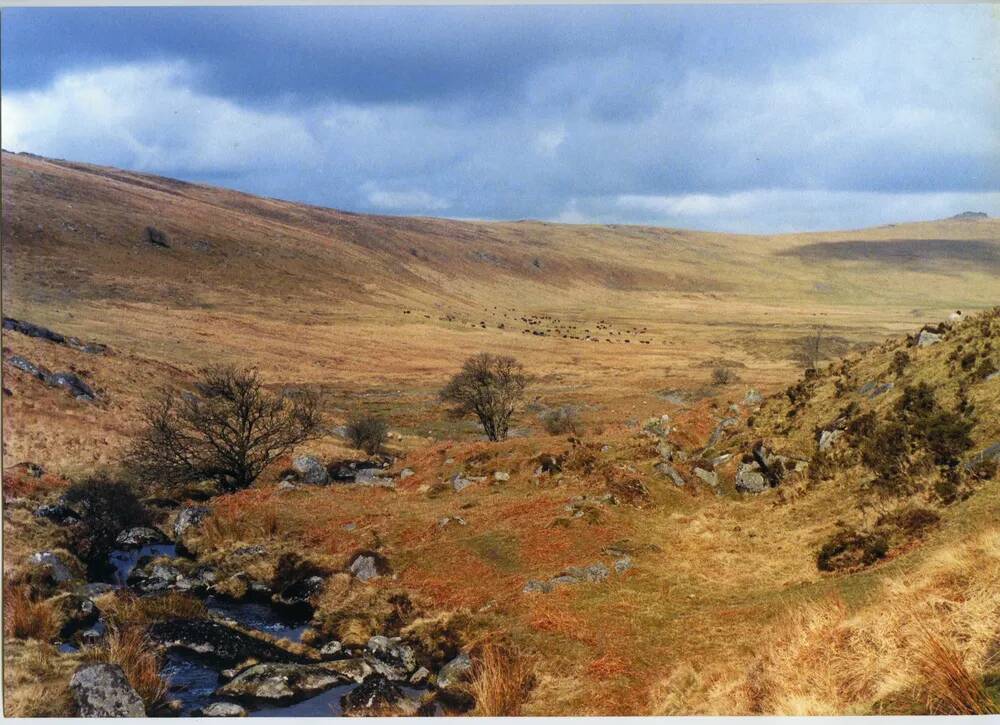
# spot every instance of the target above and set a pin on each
(25, 617)
(129, 647)
(125, 608)
(502, 678)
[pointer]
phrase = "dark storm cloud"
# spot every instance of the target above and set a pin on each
(680, 115)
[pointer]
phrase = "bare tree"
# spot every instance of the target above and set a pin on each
(230, 429)
(491, 387)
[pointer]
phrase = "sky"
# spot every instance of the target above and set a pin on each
(756, 119)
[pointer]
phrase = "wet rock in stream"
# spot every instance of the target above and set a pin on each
(288, 682)
(222, 645)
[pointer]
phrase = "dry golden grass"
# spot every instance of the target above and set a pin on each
(950, 688)
(123, 607)
(502, 678)
(130, 648)
(36, 679)
(24, 617)
(916, 647)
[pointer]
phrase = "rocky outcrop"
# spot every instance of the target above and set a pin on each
(32, 330)
(102, 690)
(70, 381)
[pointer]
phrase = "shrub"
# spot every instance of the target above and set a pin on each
(911, 522)
(491, 387)
(947, 436)
(564, 419)
(848, 549)
(722, 376)
(900, 361)
(106, 508)
(230, 429)
(367, 432)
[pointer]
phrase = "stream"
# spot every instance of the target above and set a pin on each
(192, 680)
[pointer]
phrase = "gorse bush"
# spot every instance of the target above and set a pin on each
(722, 376)
(367, 432)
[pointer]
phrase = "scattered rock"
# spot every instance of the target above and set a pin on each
(927, 338)
(709, 477)
(310, 470)
(749, 478)
(460, 482)
(420, 677)
(332, 650)
(57, 569)
(224, 709)
(102, 690)
(445, 520)
(377, 696)
(368, 565)
(623, 565)
(393, 651)
(139, 536)
(720, 430)
(188, 518)
(156, 237)
(58, 512)
(753, 397)
(666, 469)
(501, 476)
(405, 473)
(828, 437)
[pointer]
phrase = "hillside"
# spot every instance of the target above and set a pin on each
(718, 532)
(314, 296)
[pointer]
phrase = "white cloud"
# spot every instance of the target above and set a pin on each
(146, 117)
(408, 200)
(548, 141)
(784, 210)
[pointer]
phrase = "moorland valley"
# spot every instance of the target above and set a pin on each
(244, 470)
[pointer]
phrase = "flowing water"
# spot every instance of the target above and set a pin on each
(193, 680)
(124, 561)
